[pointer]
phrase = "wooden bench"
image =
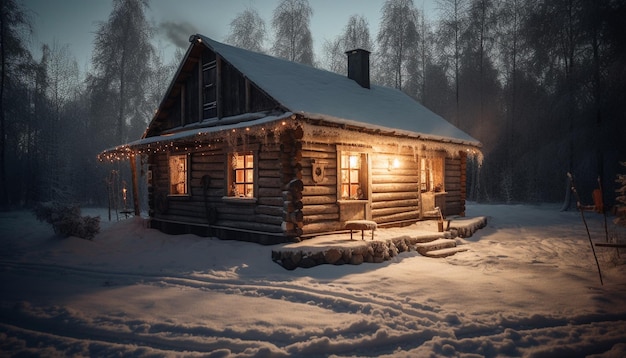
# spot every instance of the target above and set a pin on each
(361, 225)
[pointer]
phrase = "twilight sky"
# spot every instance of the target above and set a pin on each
(74, 22)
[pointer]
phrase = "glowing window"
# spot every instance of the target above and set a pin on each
(432, 176)
(179, 182)
(242, 175)
(352, 176)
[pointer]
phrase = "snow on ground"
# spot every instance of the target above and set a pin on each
(528, 286)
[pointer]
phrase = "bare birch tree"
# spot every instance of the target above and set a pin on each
(452, 24)
(247, 31)
(121, 62)
(355, 35)
(397, 42)
(293, 40)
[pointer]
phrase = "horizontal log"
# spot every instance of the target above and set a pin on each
(319, 155)
(275, 211)
(269, 173)
(320, 217)
(270, 192)
(454, 172)
(398, 172)
(182, 219)
(390, 179)
(319, 199)
(395, 210)
(387, 165)
(271, 201)
(319, 147)
(397, 217)
(268, 219)
(385, 196)
(269, 155)
(215, 175)
(320, 209)
(269, 164)
(395, 203)
(319, 190)
(252, 226)
(320, 227)
(208, 167)
(388, 188)
(269, 183)
(244, 211)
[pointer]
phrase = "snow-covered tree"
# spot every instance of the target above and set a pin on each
(453, 21)
(397, 42)
(15, 26)
(121, 63)
(293, 40)
(247, 30)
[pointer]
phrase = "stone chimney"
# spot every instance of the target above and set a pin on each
(359, 67)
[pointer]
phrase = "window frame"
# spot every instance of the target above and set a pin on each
(232, 175)
(430, 180)
(186, 174)
(362, 175)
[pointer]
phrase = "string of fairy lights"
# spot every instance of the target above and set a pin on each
(215, 137)
(205, 138)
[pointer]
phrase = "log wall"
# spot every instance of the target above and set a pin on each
(291, 200)
(207, 205)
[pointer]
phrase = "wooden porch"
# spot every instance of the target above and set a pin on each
(338, 249)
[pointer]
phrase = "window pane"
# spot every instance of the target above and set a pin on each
(354, 176)
(345, 193)
(354, 191)
(242, 175)
(178, 174)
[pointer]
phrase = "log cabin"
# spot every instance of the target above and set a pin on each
(251, 147)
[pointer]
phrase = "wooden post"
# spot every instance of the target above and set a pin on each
(135, 183)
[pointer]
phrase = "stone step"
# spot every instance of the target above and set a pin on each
(445, 252)
(438, 244)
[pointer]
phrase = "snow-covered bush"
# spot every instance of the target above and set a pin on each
(67, 221)
(621, 198)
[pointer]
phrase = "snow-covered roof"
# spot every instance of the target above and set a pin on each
(321, 94)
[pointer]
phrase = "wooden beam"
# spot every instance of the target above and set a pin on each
(135, 183)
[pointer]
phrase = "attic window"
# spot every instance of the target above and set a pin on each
(209, 89)
(179, 180)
